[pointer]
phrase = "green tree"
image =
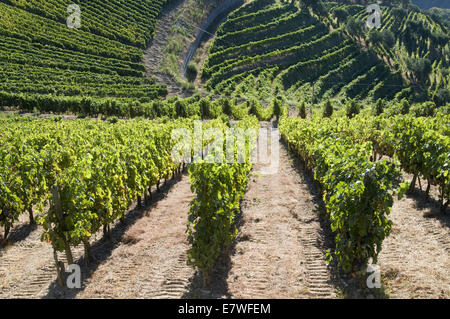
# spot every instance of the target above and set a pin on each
(421, 67)
(442, 97)
(399, 13)
(191, 72)
(327, 109)
(226, 106)
(405, 3)
(404, 106)
(180, 109)
(204, 108)
(277, 107)
(341, 14)
(252, 107)
(353, 26)
(388, 38)
(302, 110)
(374, 37)
(379, 107)
(352, 109)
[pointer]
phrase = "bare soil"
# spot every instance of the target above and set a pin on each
(138, 261)
(415, 260)
(150, 262)
(279, 252)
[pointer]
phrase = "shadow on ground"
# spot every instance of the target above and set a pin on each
(217, 288)
(345, 285)
(17, 235)
(428, 203)
(103, 248)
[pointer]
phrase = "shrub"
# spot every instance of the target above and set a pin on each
(112, 119)
(302, 110)
(327, 109)
(191, 72)
(423, 109)
(379, 107)
(444, 109)
(188, 87)
(352, 109)
(404, 106)
(225, 119)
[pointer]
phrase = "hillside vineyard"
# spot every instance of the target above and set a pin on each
(301, 151)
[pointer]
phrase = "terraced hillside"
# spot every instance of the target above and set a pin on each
(40, 55)
(425, 4)
(230, 193)
(269, 46)
(409, 41)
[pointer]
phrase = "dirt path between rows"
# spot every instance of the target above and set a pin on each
(151, 261)
(415, 260)
(281, 251)
(124, 267)
(27, 267)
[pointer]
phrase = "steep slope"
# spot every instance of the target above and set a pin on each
(267, 42)
(409, 41)
(426, 4)
(442, 15)
(100, 59)
(266, 47)
(177, 37)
